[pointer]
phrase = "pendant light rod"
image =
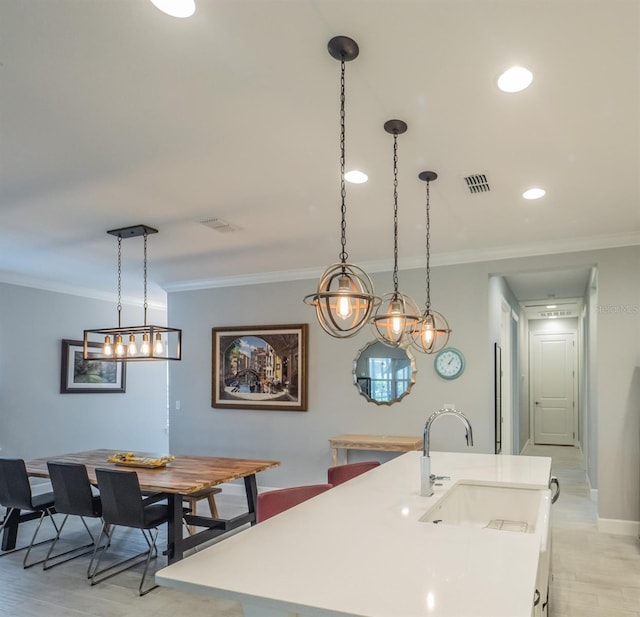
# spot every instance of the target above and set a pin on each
(397, 315)
(428, 177)
(432, 332)
(345, 50)
(344, 298)
(395, 128)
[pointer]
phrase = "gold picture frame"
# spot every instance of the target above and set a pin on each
(260, 367)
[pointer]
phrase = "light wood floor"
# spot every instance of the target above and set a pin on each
(594, 575)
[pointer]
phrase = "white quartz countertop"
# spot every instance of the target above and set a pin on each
(360, 550)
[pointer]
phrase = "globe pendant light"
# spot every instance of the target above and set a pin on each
(344, 298)
(432, 332)
(397, 315)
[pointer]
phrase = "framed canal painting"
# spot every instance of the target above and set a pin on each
(80, 376)
(260, 367)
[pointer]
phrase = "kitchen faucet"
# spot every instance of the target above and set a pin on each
(426, 478)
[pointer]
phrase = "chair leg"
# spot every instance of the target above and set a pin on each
(143, 557)
(47, 566)
(31, 544)
(48, 513)
(152, 554)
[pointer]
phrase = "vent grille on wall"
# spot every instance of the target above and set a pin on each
(557, 313)
(477, 183)
(219, 225)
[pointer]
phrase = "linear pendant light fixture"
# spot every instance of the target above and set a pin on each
(344, 298)
(432, 332)
(131, 343)
(398, 314)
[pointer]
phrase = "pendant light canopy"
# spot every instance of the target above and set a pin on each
(397, 315)
(145, 342)
(345, 298)
(432, 332)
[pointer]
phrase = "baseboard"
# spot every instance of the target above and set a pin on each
(593, 492)
(236, 489)
(619, 527)
(526, 445)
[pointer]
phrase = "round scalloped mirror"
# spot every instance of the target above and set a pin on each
(384, 375)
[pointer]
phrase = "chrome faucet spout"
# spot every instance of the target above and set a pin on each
(426, 478)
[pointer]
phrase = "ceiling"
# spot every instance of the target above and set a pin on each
(115, 114)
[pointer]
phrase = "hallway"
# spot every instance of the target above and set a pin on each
(594, 574)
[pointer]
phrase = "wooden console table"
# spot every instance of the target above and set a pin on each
(384, 443)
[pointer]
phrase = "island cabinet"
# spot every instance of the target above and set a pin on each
(366, 548)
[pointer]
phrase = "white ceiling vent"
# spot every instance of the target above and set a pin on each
(477, 183)
(219, 225)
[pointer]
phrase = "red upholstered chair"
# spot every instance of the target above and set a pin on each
(273, 502)
(341, 473)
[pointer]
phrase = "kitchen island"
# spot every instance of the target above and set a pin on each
(360, 549)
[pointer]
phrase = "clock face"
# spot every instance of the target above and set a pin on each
(449, 363)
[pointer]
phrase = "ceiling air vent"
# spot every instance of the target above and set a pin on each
(477, 183)
(219, 225)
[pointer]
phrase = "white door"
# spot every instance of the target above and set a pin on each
(554, 362)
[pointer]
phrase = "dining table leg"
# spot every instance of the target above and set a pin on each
(251, 487)
(10, 532)
(175, 544)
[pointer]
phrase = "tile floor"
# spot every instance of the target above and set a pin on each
(595, 575)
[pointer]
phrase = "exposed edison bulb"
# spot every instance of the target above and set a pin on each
(144, 347)
(132, 350)
(344, 308)
(119, 350)
(158, 346)
(395, 314)
(428, 334)
(107, 348)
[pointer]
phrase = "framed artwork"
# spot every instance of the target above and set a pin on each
(80, 376)
(260, 367)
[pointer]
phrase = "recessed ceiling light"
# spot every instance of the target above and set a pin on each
(551, 306)
(515, 79)
(534, 193)
(356, 177)
(176, 8)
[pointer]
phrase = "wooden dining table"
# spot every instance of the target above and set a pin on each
(185, 475)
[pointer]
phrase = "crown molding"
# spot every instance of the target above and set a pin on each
(573, 245)
(75, 290)
(385, 265)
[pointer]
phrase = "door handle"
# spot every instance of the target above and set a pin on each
(537, 402)
(555, 481)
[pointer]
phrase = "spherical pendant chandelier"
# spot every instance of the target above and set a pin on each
(344, 298)
(397, 315)
(432, 332)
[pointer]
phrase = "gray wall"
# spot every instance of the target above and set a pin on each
(35, 419)
(461, 292)
(618, 359)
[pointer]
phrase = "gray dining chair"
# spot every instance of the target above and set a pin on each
(73, 496)
(123, 505)
(17, 496)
